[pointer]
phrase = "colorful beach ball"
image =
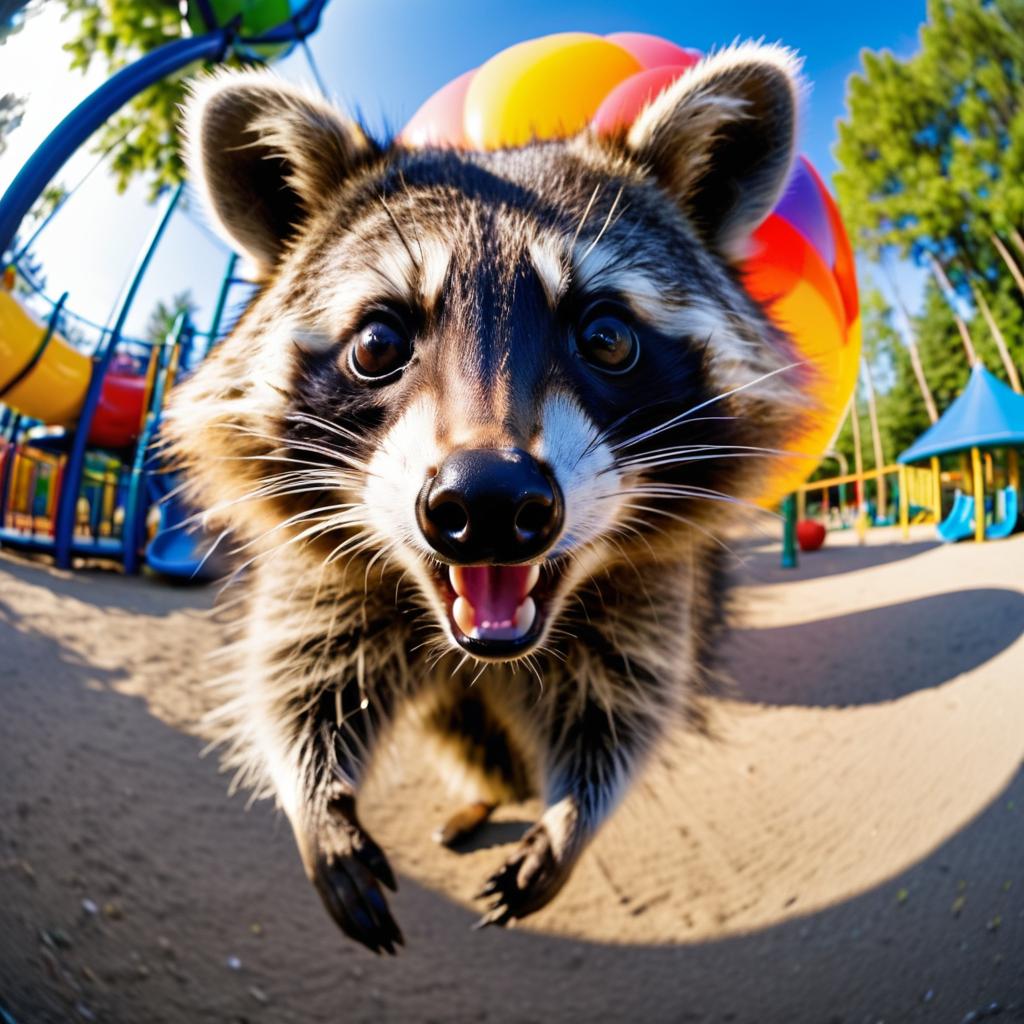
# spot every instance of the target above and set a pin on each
(801, 267)
(257, 17)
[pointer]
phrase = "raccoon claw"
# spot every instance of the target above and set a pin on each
(348, 875)
(527, 881)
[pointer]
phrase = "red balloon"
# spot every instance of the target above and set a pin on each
(810, 534)
(653, 51)
(620, 107)
(438, 122)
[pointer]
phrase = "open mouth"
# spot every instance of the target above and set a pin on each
(495, 611)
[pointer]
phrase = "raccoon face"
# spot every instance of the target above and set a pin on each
(503, 373)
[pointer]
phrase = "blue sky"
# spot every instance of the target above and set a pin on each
(382, 59)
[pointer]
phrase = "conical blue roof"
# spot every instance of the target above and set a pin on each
(987, 414)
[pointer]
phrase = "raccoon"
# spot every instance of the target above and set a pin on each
(479, 433)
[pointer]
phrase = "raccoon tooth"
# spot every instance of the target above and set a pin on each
(531, 579)
(464, 615)
(454, 577)
(525, 614)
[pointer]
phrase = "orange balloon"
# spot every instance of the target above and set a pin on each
(542, 89)
(782, 258)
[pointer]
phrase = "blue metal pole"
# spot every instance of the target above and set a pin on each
(76, 128)
(136, 506)
(68, 499)
(222, 300)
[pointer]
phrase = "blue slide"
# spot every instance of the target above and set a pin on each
(179, 547)
(1011, 511)
(959, 524)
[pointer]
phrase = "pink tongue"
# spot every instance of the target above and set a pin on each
(495, 591)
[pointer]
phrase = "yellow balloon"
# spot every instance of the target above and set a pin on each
(542, 89)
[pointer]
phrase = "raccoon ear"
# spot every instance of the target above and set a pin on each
(265, 155)
(722, 140)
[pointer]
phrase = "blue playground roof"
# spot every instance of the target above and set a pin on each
(987, 414)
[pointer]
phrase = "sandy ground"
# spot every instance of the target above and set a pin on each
(848, 848)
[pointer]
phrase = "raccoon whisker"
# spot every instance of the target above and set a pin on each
(351, 546)
(604, 434)
(369, 565)
(586, 213)
(275, 458)
(417, 263)
(411, 210)
(209, 551)
(681, 519)
(300, 444)
(604, 226)
(685, 449)
(266, 491)
(462, 661)
(643, 464)
(280, 547)
(698, 493)
(312, 420)
(322, 514)
(626, 528)
(483, 668)
(680, 417)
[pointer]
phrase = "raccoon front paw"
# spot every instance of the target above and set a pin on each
(348, 872)
(527, 881)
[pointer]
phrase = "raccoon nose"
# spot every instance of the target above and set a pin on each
(490, 505)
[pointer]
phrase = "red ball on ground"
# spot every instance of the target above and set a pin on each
(810, 534)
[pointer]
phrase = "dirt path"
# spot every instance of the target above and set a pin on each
(848, 848)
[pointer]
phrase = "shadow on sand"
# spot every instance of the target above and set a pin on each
(102, 801)
(762, 566)
(847, 660)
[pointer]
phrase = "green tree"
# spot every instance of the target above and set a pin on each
(931, 158)
(12, 110)
(161, 319)
(117, 32)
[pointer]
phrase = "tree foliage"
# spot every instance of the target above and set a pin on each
(162, 318)
(117, 32)
(931, 163)
(931, 152)
(12, 110)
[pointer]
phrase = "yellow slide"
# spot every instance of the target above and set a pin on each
(54, 387)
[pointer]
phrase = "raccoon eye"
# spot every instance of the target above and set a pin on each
(607, 342)
(379, 350)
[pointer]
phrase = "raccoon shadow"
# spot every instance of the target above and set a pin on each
(492, 834)
(898, 649)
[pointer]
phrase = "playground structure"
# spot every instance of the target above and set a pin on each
(986, 419)
(79, 472)
(971, 454)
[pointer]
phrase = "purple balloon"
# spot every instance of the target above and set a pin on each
(802, 206)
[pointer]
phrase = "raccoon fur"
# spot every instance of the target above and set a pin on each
(478, 435)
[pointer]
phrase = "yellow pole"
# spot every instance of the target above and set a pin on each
(801, 505)
(937, 488)
(979, 496)
(1013, 469)
(904, 504)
